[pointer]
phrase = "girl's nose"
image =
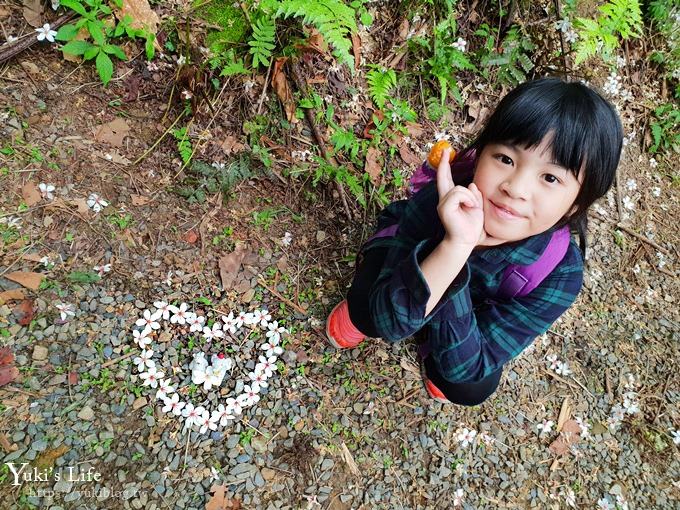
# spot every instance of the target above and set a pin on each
(516, 185)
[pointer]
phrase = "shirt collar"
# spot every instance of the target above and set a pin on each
(522, 252)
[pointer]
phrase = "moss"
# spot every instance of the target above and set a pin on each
(232, 20)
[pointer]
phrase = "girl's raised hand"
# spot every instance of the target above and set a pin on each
(460, 209)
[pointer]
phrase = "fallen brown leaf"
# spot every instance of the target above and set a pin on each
(571, 433)
(141, 13)
(191, 237)
(140, 200)
(283, 90)
(372, 165)
(26, 279)
(316, 42)
(7, 374)
(219, 499)
(230, 264)
(12, 295)
(33, 13)
(231, 145)
(6, 356)
(414, 129)
(112, 133)
(49, 457)
(31, 193)
(6, 445)
(356, 49)
(408, 156)
(26, 310)
(33, 257)
(565, 414)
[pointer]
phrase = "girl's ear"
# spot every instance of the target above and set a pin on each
(573, 209)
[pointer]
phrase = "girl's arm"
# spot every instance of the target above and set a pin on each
(441, 268)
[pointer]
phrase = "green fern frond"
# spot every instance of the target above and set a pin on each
(263, 41)
(333, 18)
(380, 83)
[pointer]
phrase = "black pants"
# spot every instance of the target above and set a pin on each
(368, 267)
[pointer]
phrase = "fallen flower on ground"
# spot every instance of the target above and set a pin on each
(65, 309)
(466, 437)
(458, 497)
(46, 190)
(96, 203)
(149, 320)
(164, 389)
(144, 360)
(173, 405)
(102, 269)
(46, 32)
(179, 314)
(163, 308)
(142, 338)
(266, 365)
(545, 427)
(676, 436)
(151, 377)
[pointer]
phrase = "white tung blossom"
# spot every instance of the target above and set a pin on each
(46, 33)
(96, 203)
(466, 436)
(460, 44)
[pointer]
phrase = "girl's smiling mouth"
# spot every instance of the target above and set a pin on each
(504, 213)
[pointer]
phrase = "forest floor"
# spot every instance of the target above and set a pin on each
(334, 429)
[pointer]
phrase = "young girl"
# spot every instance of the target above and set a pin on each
(549, 150)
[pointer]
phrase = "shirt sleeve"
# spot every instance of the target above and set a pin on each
(399, 295)
(469, 344)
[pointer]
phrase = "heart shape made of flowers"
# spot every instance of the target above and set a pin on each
(220, 333)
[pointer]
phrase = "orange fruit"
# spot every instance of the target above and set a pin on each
(435, 155)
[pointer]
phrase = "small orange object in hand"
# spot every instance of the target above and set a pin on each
(435, 155)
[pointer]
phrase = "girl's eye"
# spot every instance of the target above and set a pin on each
(504, 159)
(556, 180)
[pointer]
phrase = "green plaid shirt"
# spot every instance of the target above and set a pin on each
(471, 333)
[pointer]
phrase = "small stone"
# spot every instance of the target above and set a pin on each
(40, 353)
(86, 413)
(268, 474)
(63, 486)
(139, 403)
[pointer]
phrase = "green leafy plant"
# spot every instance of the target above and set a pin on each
(97, 22)
(512, 62)
(441, 58)
(664, 129)
(380, 83)
(183, 144)
(600, 36)
(262, 41)
(663, 16)
(334, 19)
(203, 179)
(83, 277)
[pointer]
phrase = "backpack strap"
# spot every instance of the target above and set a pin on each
(520, 280)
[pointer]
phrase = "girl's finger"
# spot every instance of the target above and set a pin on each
(444, 177)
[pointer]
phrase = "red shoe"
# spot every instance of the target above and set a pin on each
(340, 331)
(431, 389)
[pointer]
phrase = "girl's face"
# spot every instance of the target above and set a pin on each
(538, 191)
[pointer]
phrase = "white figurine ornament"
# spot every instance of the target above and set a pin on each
(209, 375)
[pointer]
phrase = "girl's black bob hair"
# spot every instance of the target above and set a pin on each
(585, 130)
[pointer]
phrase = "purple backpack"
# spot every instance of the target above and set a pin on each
(517, 280)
